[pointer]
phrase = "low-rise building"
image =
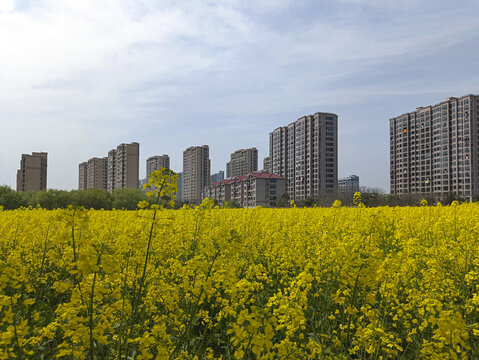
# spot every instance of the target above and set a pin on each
(254, 189)
(348, 184)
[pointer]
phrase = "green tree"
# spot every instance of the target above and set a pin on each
(93, 198)
(49, 199)
(10, 199)
(283, 201)
(127, 198)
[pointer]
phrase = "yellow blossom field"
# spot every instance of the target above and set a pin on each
(209, 283)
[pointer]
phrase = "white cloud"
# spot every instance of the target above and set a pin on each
(79, 77)
(72, 65)
(7, 5)
(61, 42)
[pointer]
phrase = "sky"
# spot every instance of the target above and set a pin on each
(77, 78)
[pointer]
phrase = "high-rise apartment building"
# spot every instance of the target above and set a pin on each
(242, 162)
(179, 187)
(306, 153)
(217, 177)
(278, 155)
(156, 162)
(97, 173)
(196, 172)
(123, 167)
(32, 174)
(82, 175)
(267, 164)
(433, 150)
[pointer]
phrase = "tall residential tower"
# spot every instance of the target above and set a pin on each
(433, 150)
(82, 175)
(306, 153)
(32, 174)
(242, 162)
(267, 164)
(156, 162)
(123, 167)
(196, 172)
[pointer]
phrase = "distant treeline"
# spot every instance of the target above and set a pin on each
(129, 198)
(372, 197)
(54, 199)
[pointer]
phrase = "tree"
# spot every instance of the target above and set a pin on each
(93, 198)
(127, 199)
(283, 201)
(49, 199)
(10, 199)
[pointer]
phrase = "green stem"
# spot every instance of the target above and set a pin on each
(122, 318)
(19, 348)
(73, 237)
(91, 308)
(353, 300)
(195, 310)
(137, 298)
(75, 257)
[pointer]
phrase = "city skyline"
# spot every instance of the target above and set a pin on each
(166, 157)
(82, 76)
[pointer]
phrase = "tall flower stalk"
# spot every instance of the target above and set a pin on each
(162, 184)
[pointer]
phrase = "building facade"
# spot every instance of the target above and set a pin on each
(32, 174)
(432, 149)
(196, 172)
(242, 162)
(97, 173)
(156, 162)
(123, 167)
(179, 187)
(254, 189)
(348, 184)
(267, 164)
(217, 177)
(82, 175)
(306, 153)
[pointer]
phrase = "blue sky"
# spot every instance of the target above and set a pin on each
(77, 78)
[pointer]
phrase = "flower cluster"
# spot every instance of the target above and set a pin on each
(209, 283)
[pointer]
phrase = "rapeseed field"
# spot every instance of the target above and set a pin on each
(210, 283)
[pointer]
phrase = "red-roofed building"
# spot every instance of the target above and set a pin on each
(255, 189)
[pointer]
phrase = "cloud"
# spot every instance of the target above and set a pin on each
(80, 77)
(7, 5)
(61, 41)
